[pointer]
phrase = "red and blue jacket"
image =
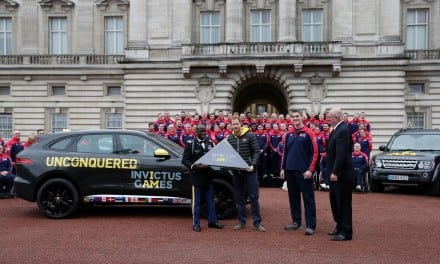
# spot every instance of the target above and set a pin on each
(359, 160)
(300, 150)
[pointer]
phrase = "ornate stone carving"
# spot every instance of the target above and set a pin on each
(103, 4)
(297, 68)
(260, 69)
(205, 91)
(9, 5)
(316, 90)
(336, 69)
(47, 5)
(223, 70)
(186, 71)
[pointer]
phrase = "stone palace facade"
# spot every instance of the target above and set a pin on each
(86, 64)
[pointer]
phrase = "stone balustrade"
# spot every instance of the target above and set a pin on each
(60, 59)
(433, 54)
(290, 49)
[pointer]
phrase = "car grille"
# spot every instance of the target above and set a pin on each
(400, 164)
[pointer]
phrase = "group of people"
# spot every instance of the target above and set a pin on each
(299, 160)
(8, 155)
(270, 131)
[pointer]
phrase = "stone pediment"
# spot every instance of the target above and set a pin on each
(47, 5)
(103, 4)
(9, 4)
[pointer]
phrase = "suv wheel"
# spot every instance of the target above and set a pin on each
(224, 200)
(57, 198)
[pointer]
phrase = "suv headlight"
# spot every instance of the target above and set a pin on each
(378, 163)
(425, 164)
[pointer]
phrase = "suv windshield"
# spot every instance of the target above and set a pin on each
(415, 142)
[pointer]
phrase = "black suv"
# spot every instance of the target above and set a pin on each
(66, 170)
(411, 157)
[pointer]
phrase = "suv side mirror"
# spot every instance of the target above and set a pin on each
(161, 154)
(383, 148)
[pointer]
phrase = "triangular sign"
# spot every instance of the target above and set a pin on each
(223, 155)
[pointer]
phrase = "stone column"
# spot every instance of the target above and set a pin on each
(29, 25)
(83, 40)
(234, 21)
(342, 26)
(287, 20)
(390, 21)
(137, 47)
(182, 21)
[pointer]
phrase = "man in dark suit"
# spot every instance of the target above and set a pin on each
(339, 150)
(201, 178)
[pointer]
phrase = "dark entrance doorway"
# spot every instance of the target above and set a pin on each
(258, 96)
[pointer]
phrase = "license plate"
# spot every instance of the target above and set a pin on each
(398, 177)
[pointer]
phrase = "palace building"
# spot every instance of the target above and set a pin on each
(87, 64)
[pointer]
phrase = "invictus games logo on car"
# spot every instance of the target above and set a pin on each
(155, 179)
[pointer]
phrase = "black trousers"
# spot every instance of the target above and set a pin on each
(341, 201)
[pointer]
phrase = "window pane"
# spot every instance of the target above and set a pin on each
(114, 35)
(113, 90)
(5, 90)
(6, 125)
(421, 38)
(265, 17)
(114, 121)
(307, 17)
(255, 17)
(265, 34)
(307, 33)
(312, 25)
(58, 35)
(209, 27)
(416, 120)
(410, 37)
(58, 90)
(5, 36)
(58, 122)
(421, 16)
(204, 18)
(411, 17)
(416, 88)
(317, 33)
(255, 34)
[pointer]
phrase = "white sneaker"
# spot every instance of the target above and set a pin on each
(324, 186)
(284, 188)
(358, 187)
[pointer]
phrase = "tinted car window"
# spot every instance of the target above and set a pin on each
(61, 144)
(101, 143)
(133, 144)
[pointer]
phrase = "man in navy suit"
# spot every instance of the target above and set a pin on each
(339, 150)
